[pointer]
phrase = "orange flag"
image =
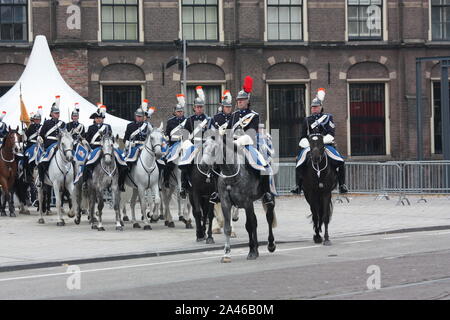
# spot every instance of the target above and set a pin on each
(24, 117)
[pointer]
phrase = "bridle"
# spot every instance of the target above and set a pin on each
(220, 174)
(113, 171)
(316, 166)
(14, 135)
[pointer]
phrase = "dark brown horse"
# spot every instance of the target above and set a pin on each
(8, 167)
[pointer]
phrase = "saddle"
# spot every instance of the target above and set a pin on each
(330, 151)
(34, 152)
(134, 153)
(49, 153)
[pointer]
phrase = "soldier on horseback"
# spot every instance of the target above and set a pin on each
(219, 119)
(48, 137)
(75, 128)
(196, 125)
(248, 120)
(93, 137)
(3, 128)
(31, 135)
(312, 124)
(173, 127)
(135, 136)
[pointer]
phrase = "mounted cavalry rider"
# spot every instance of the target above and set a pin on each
(223, 116)
(322, 123)
(173, 134)
(31, 135)
(48, 137)
(75, 128)
(196, 125)
(3, 128)
(93, 137)
(248, 120)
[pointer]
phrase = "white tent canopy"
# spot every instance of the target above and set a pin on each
(40, 83)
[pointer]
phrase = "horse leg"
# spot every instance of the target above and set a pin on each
(116, 193)
(132, 207)
(100, 205)
(143, 203)
(58, 196)
(210, 212)
(327, 212)
(3, 198)
(78, 200)
(197, 216)
(92, 219)
(226, 210)
(41, 204)
(11, 204)
(271, 221)
(251, 226)
(315, 215)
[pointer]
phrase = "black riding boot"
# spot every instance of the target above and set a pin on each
(166, 174)
(184, 181)
(268, 197)
(86, 176)
(41, 171)
(298, 181)
(341, 179)
(122, 176)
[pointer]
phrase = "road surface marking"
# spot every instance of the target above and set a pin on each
(359, 241)
(399, 237)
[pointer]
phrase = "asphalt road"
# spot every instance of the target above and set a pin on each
(412, 265)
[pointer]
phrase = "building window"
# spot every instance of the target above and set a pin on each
(212, 96)
(286, 113)
(13, 20)
(120, 20)
(367, 119)
(440, 19)
(365, 19)
(200, 20)
(284, 20)
(437, 122)
(4, 89)
(122, 101)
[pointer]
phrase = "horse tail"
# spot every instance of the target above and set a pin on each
(20, 189)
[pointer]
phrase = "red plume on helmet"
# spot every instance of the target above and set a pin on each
(248, 84)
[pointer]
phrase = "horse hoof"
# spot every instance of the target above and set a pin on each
(210, 241)
(161, 217)
(201, 239)
(327, 243)
(136, 225)
(41, 221)
(171, 224)
(101, 229)
(317, 239)
(252, 256)
(271, 247)
(119, 228)
(189, 226)
(94, 226)
(77, 220)
(225, 259)
(12, 214)
(216, 231)
(125, 218)
(71, 214)
(153, 220)
(147, 227)
(60, 223)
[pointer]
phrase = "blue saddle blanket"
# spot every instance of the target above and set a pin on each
(330, 151)
(49, 153)
(133, 153)
(33, 152)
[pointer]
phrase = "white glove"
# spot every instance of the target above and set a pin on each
(40, 140)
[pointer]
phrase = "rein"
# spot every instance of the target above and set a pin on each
(113, 171)
(220, 174)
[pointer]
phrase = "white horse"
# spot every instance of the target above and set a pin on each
(105, 174)
(60, 176)
(145, 175)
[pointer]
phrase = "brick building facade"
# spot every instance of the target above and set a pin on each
(115, 49)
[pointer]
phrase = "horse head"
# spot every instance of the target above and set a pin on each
(107, 148)
(13, 141)
(65, 144)
(210, 151)
(317, 147)
(155, 140)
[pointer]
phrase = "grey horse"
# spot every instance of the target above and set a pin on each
(238, 186)
(104, 175)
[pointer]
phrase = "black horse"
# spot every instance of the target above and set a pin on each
(319, 180)
(199, 195)
(239, 186)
